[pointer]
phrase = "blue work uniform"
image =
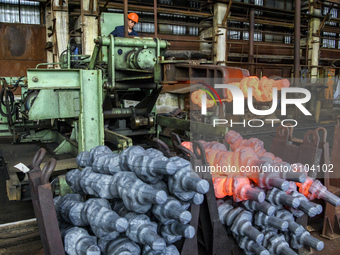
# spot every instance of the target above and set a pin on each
(119, 32)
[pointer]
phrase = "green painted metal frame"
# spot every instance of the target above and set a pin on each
(69, 93)
(91, 124)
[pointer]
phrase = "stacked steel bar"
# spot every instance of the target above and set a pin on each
(264, 227)
(127, 190)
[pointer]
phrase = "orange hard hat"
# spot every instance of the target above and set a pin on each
(133, 16)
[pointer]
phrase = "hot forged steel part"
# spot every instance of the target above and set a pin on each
(175, 231)
(251, 247)
(143, 231)
(237, 186)
(169, 250)
(184, 184)
(276, 244)
(136, 195)
(77, 241)
(108, 163)
(270, 180)
(262, 220)
(149, 169)
(305, 239)
(293, 227)
(84, 159)
(278, 197)
(313, 189)
(171, 211)
(119, 246)
(285, 171)
(317, 190)
(264, 207)
(247, 157)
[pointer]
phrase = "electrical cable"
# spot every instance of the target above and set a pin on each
(7, 99)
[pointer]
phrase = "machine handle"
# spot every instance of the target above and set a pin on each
(199, 152)
(38, 158)
(179, 148)
(48, 170)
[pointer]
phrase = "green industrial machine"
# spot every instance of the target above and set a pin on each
(72, 105)
(120, 69)
(87, 101)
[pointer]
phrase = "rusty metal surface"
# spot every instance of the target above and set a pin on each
(308, 152)
(17, 184)
(42, 199)
(331, 225)
(220, 242)
(21, 46)
(215, 237)
(282, 148)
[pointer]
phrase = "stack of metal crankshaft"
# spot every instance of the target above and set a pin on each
(137, 202)
(269, 227)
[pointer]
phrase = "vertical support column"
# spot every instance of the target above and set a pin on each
(251, 40)
(297, 35)
(88, 24)
(155, 17)
(111, 63)
(126, 32)
(219, 34)
(91, 124)
(49, 36)
(313, 49)
(60, 28)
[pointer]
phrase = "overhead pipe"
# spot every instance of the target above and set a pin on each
(126, 33)
(155, 17)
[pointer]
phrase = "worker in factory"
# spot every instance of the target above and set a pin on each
(132, 20)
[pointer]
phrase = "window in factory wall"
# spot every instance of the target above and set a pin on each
(234, 34)
(258, 33)
(288, 39)
(332, 12)
(328, 40)
(19, 11)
